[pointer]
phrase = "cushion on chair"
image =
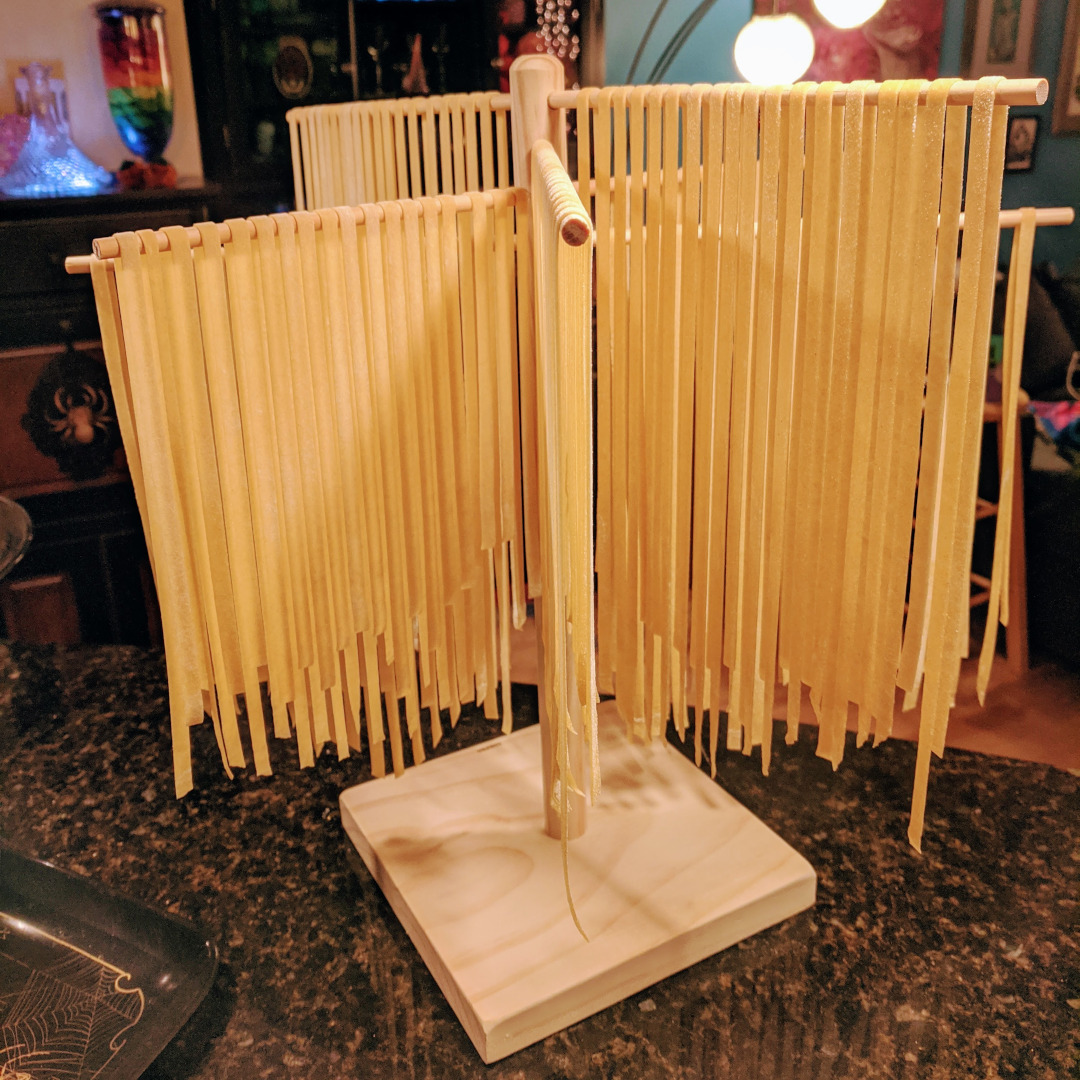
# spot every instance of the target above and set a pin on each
(1048, 344)
(1064, 291)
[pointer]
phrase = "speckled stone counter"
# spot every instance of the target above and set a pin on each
(964, 962)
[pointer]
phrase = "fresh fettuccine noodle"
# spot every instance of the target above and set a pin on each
(371, 151)
(1016, 302)
(310, 411)
(782, 264)
(360, 437)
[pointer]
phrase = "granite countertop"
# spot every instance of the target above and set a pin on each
(962, 962)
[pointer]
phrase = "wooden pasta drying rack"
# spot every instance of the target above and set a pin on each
(670, 869)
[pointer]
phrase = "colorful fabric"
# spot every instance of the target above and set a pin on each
(1059, 421)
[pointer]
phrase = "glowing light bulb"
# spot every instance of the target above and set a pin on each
(772, 49)
(847, 14)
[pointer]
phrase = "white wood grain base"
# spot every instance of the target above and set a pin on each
(671, 870)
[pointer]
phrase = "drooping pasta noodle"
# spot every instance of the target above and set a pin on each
(1015, 324)
(302, 422)
(808, 228)
(781, 381)
(370, 151)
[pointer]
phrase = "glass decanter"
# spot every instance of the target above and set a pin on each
(49, 163)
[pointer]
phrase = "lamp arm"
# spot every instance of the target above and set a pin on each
(678, 40)
(645, 38)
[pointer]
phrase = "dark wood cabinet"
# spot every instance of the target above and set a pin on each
(253, 60)
(86, 570)
(41, 304)
(85, 576)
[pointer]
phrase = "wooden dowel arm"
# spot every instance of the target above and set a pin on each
(1009, 92)
(572, 233)
(571, 217)
(1007, 219)
(1044, 215)
(109, 248)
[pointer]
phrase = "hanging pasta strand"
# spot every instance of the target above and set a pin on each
(650, 557)
(804, 375)
(713, 136)
(789, 201)
(928, 507)
(232, 476)
(689, 212)
(1016, 302)
(884, 514)
(840, 415)
(665, 382)
(304, 422)
(602, 215)
(799, 612)
(911, 351)
(526, 331)
(400, 407)
(632, 630)
(255, 406)
(162, 514)
(172, 282)
(730, 630)
(747, 686)
(734, 265)
(960, 636)
(370, 151)
(963, 416)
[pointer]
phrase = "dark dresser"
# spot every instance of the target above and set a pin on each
(85, 577)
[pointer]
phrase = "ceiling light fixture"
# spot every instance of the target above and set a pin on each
(774, 49)
(847, 14)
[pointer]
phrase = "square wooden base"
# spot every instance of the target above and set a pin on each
(670, 870)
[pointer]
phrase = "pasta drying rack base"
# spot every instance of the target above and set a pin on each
(670, 870)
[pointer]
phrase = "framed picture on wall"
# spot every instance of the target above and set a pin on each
(1020, 143)
(997, 38)
(1067, 92)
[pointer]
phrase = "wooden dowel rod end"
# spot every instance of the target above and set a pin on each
(575, 231)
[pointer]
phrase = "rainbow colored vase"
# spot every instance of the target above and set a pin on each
(134, 60)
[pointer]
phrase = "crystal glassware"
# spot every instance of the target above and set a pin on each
(49, 163)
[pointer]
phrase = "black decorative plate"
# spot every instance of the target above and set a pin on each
(92, 984)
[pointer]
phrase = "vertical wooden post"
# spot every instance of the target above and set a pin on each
(579, 758)
(532, 80)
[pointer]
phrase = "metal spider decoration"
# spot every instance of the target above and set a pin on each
(77, 421)
(69, 415)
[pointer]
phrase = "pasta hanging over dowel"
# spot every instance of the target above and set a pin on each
(779, 369)
(1016, 302)
(311, 410)
(372, 151)
(360, 438)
